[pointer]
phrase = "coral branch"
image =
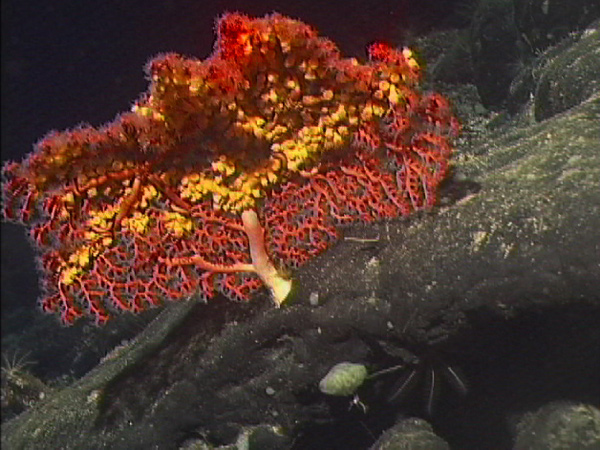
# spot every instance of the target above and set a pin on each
(278, 285)
(228, 170)
(199, 262)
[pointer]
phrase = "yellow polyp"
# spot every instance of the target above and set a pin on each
(177, 229)
(150, 193)
(279, 130)
(68, 276)
(337, 139)
(81, 258)
(409, 55)
(378, 110)
(142, 110)
(100, 219)
(393, 96)
(84, 259)
(195, 84)
(395, 78)
(58, 159)
(139, 223)
(384, 85)
(69, 198)
(177, 224)
(410, 58)
(258, 132)
(309, 100)
(341, 113)
(91, 235)
(271, 96)
(285, 46)
(328, 94)
(145, 111)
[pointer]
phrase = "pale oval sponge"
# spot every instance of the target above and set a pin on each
(343, 379)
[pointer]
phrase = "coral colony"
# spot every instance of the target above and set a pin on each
(228, 171)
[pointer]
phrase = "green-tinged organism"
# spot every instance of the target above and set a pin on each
(343, 379)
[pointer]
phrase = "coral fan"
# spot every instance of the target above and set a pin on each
(228, 169)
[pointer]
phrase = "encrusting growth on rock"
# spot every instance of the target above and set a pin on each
(228, 170)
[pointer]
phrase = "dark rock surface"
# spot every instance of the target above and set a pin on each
(569, 74)
(496, 46)
(413, 434)
(560, 425)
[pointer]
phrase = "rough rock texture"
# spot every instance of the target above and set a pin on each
(413, 434)
(513, 47)
(559, 426)
(66, 418)
(543, 23)
(570, 74)
(495, 47)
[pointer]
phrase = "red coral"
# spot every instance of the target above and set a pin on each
(254, 155)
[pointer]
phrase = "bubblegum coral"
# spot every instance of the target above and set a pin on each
(228, 171)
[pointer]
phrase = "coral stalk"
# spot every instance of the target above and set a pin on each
(277, 284)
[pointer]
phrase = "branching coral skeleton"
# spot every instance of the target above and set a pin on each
(229, 171)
